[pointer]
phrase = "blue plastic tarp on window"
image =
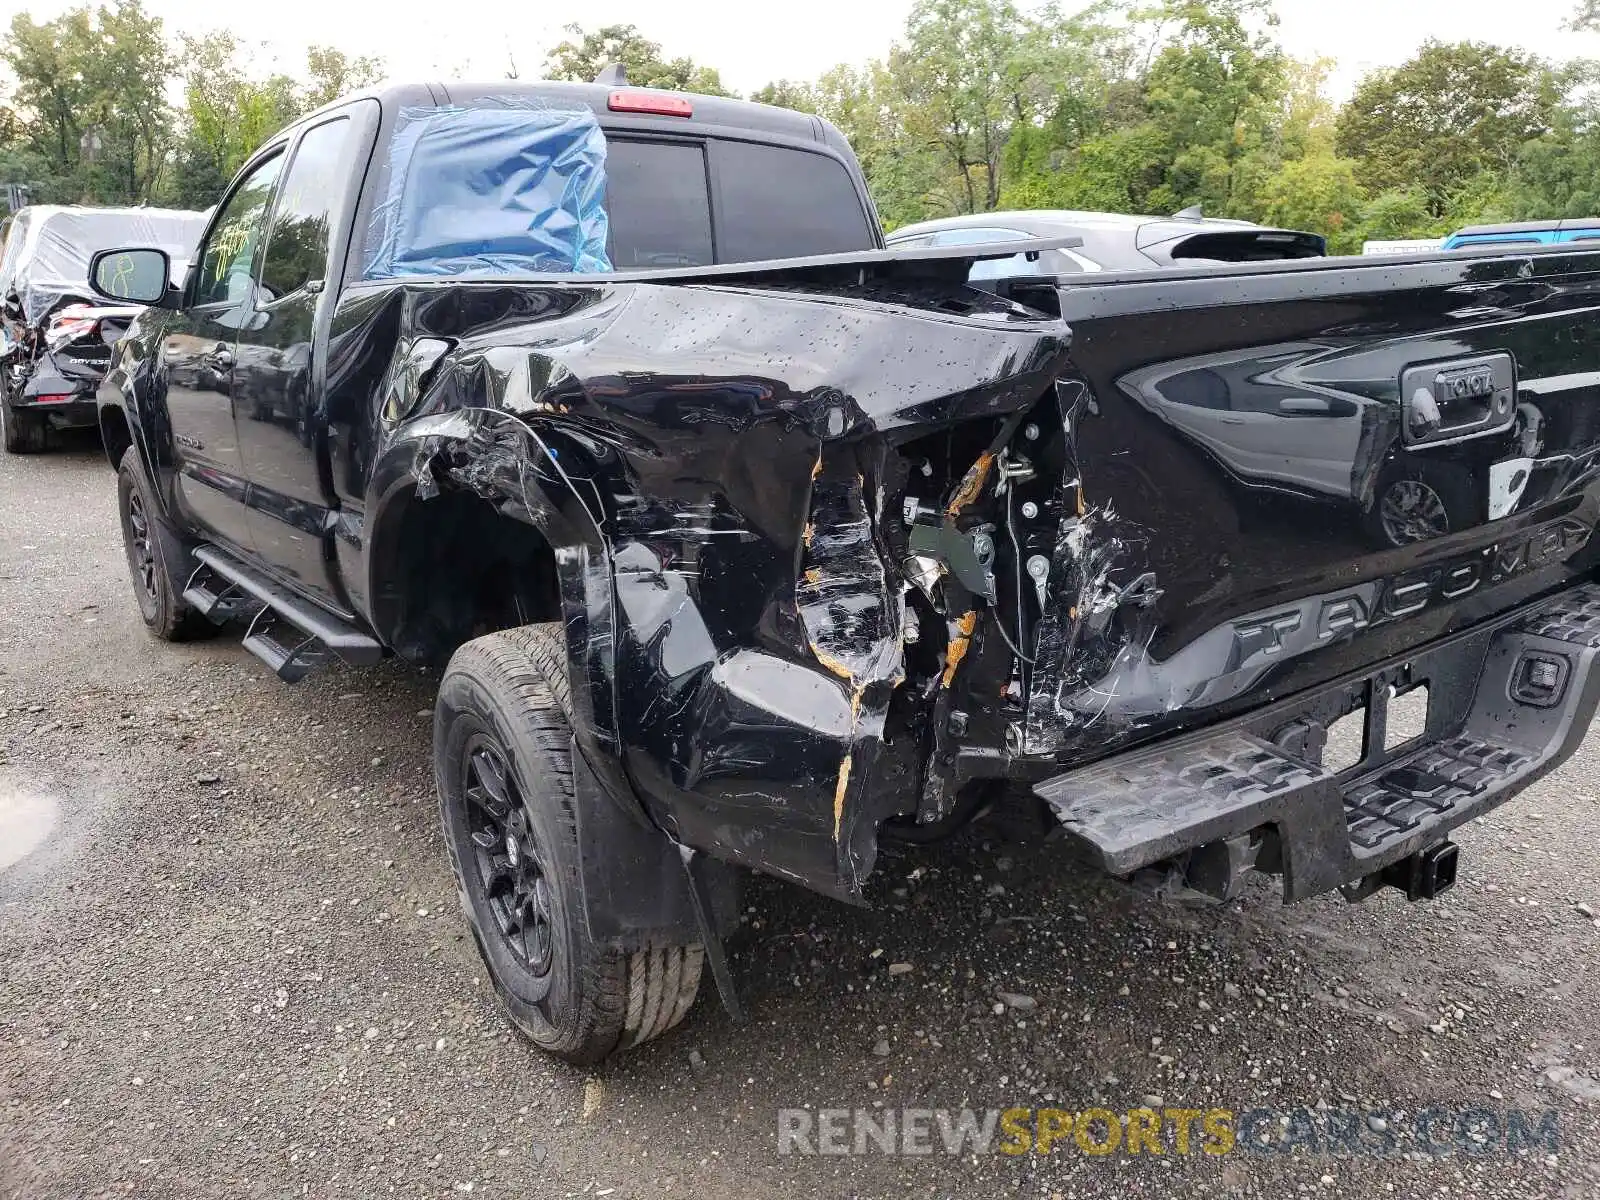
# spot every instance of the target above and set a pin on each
(491, 190)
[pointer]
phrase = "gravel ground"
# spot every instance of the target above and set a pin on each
(232, 964)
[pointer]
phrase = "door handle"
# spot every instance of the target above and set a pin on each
(1305, 406)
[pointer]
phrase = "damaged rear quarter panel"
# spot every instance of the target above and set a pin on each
(711, 465)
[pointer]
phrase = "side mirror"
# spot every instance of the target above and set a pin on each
(132, 276)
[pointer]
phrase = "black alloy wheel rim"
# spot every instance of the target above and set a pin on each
(141, 553)
(1413, 512)
(507, 867)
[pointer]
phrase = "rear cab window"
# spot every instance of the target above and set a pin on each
(772, 201)
(658, 202)
(508, 188)
(1239, 246)
(782, 202)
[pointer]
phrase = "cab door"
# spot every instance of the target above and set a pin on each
(197, 362)
(277, 372)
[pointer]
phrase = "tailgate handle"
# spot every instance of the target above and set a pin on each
(1458, 399)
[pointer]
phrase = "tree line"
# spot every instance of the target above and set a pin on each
(87, 118)
(1127, 106)
(1130, 106)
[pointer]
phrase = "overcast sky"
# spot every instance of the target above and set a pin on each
(753, 43)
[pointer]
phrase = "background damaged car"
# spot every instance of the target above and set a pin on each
(55, 339)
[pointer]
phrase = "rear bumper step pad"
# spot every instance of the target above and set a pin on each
(1404, 798)
(1483, 744)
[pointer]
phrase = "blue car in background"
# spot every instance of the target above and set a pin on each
(1537, 233)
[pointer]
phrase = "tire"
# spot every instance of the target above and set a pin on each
(502, 747)
(1417, 501)
(21, 433)
(149, 543)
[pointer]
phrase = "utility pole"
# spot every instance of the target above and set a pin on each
(89, 147)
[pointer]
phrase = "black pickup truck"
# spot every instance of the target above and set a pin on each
(751, 544)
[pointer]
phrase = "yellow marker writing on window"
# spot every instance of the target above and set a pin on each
(122, 276)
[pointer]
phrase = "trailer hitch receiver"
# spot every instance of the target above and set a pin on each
(1425, 874)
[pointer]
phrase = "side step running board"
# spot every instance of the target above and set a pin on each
(216, 599)
(289, 634)
(290, 653)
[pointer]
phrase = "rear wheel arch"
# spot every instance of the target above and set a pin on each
(452, 567)
(445, 563)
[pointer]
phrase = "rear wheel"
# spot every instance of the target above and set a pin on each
(21, 432)
(502, 761)
(145, 537)
(1416, 502)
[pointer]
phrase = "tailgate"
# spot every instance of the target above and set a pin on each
(1287, 476)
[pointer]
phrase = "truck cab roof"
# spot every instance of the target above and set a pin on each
(704, 113)
(674, 179)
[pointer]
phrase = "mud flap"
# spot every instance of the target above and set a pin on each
(635, 890)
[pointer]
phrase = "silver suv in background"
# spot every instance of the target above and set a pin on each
(1111, 241)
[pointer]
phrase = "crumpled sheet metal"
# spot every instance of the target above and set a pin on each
(854, 619)
(708, 429)
(1088, 633)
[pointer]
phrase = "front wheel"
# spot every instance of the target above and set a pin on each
(145, 537)
(502, 760)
